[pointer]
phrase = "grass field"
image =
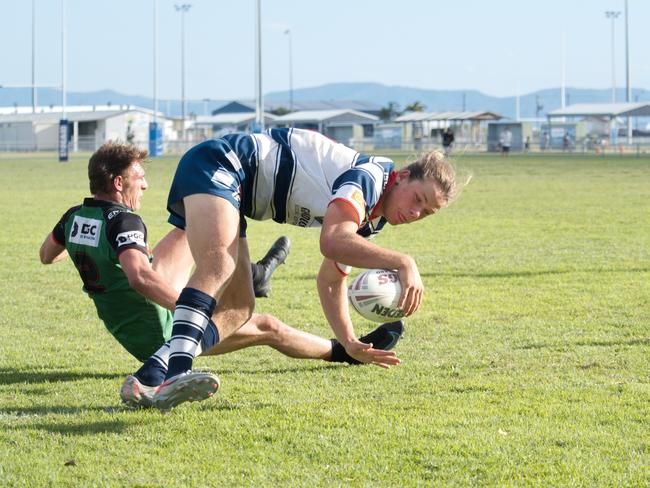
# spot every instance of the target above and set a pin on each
(528, 363)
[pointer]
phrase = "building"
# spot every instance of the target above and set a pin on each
(241, 106)
(343, 125)
(422, 130)
(215, 126)
(90, 127)
(602, 120)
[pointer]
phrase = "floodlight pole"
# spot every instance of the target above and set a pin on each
(64, 127)
(259, 102)
(63, 59)
(155, 63)
(628, 88)
(155, 134)
(183, 9)
(563, 71)
(33, 56)
(288, 33)
(612, 14)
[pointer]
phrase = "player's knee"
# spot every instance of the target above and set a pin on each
(273, 330)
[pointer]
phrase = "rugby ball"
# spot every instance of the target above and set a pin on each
(375, 293)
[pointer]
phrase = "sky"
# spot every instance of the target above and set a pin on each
(499, 47)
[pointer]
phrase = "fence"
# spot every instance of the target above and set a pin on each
(639, 147)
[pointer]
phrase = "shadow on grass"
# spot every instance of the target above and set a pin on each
(78, 428)
(38, 411)
(36, 418)
(9, 376)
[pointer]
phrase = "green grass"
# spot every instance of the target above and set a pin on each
(526, 365)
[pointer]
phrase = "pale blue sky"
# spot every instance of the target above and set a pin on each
(495, 46)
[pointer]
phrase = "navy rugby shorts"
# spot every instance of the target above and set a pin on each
(210, 167)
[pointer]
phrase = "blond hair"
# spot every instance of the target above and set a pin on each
(434, 165)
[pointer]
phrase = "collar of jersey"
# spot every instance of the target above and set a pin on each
(94, 202)
(389, 183)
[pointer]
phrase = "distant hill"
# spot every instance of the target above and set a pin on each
(452, 100)
(434, 100)
(48, 96)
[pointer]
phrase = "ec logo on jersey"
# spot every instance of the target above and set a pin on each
(85, 231)
(357, 196)
(133, 237)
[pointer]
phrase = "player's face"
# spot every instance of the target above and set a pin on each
(133, 186)
(409, 201)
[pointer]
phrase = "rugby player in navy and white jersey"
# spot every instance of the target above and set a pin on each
(302, 178)
(135, 297)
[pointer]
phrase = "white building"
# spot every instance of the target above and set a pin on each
(90, 127)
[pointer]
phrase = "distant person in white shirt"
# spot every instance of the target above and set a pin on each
(506, 141)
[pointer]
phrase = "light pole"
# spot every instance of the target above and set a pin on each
(205, 105)
(155, 134)
(64, 128)
(288, 33)
(259, 98)
(628, 88)
(613, 14)
(183, 8)
(33, 56)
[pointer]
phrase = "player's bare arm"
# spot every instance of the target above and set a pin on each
(145, 280)
(51, 251)
(333, 296)
(340, 242)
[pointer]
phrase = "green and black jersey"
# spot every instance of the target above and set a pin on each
(94, 234)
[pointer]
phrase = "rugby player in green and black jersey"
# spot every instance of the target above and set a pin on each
(135, 289)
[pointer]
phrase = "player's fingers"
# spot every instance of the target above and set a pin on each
(381, 352)
(418, 301)
(409, 305)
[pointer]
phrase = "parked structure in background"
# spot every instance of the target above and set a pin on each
(605, 125)
(90, 127)
(587, 127)
(423, 130)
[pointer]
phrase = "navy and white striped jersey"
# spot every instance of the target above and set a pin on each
(292, 175)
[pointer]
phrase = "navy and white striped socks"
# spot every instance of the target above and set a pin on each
(191, 317)
(154, 369)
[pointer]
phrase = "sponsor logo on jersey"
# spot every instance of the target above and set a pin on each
(85, 231)
(112, 214)
(132, 237)
(357, 197)
(304, 217)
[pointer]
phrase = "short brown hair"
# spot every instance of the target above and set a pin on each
(434, 165)
(110, 160)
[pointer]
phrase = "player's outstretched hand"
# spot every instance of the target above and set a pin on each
(365, 353)
(412, 287)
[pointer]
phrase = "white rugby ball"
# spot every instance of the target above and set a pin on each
(375, 293)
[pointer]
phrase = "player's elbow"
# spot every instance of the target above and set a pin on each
(45, 257)
(328, 246)
(137, 281)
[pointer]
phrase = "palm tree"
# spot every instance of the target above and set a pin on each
(416, 106)
(389, 112)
